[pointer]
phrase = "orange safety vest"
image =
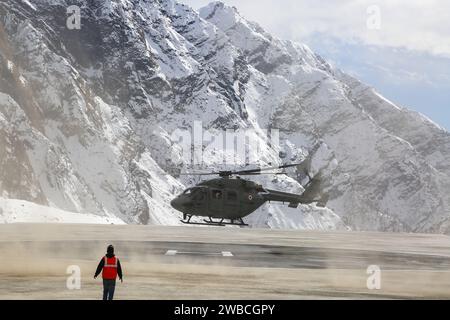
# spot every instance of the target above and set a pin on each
(109, 271)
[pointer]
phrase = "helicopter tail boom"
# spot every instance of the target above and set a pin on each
(311, 194)
(292, 198)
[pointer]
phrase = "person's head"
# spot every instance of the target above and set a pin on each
(110, 249)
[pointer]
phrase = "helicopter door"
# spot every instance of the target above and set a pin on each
(216, 201)
(232, 201)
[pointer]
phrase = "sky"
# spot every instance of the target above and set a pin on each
(400, 47)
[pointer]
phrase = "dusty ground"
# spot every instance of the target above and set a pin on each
(266, 264)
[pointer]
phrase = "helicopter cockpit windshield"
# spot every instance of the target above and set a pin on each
(191, 191)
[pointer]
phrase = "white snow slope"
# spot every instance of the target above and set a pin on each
(19, 211)
(86, 118)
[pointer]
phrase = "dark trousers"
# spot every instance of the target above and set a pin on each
(108, 289)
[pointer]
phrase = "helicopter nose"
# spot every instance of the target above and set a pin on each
(177, 204)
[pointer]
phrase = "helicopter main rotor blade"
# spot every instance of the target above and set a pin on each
(249, 172)
(260, 170)
(198, 173)
(260, 173)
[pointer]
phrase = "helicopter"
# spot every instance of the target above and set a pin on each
(230, 197)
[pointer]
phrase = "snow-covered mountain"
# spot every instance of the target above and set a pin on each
(87, 117)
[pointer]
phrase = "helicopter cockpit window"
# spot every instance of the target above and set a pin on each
(199, 194)
(193, 191)
(216, 194)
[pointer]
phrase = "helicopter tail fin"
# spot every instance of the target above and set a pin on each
(314, 192)
(322, 203)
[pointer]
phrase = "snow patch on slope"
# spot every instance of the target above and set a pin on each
(19, 211)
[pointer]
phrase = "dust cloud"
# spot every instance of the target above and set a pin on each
(266, 264)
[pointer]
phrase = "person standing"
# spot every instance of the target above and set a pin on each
(110, 268)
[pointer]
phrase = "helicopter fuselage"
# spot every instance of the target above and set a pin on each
(221, 198)
(232, 198)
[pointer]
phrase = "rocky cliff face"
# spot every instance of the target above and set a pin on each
(87, 117)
